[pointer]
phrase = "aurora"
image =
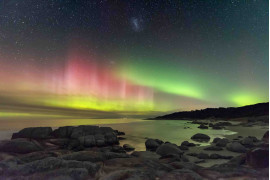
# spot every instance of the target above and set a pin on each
(132, 62)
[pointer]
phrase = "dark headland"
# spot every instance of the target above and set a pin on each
(261, 109)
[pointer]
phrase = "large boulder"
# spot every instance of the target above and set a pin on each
(152, 144)
(33, 133)
(63, 132)
(111, 138)
(21, 146)
(87, 141)
(236, 147)
(84, 131)
(200, 137)
(188, 144)
(258, 158)
(222, 142)
(168, 149)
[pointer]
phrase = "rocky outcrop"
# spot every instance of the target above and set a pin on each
(21, 146)
(92, 153)
(34, 133)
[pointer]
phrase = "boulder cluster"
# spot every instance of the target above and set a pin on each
(92, 152)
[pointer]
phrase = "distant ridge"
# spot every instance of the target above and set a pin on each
(260, 109)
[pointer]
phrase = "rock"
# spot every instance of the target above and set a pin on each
(184, 158)
(265, 137)
(183, 148)
(51, 166)
(184, 165)
(236, 147)
(192, 154)
(89, 141)
(200, 137)
(91, 156)
(213, 148)
(216, 140)
(199, 161)
(94, 156)
(258, 158)
(63, 132)
(152, 144)
(215, 156)
(217, 127)
(130, 173)
(73, 144)
(121, 138)
(34, 156)
(100, 140)
(169, 158)
(105, 130)
(188, 144)
(118, 149)
(111, 138)
(247, 142)
(88, 130)
(77, 132)
(128, 147)
(146, 155)
(119, 133)
(202, 126)
(33, 133)
(62, 174)
(224, 123)
(183, 174)
(112, 155)
(167, 149)
(21, 146)
(203, 156)
(62, 142)
(222, 142)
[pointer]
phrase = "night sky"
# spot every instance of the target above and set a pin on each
(132, 57)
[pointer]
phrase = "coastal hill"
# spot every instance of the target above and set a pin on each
(260, 109)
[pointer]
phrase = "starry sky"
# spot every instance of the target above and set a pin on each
(128, 58)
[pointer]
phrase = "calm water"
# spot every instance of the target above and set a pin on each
(136, 130)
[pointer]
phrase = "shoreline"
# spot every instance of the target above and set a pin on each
(37, 148)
